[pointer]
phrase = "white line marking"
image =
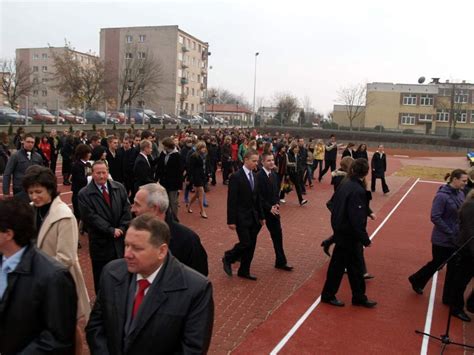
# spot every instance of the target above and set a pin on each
(300, 321)
(401, 156)
(429, 315)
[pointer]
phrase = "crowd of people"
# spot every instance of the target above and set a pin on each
(148, 268)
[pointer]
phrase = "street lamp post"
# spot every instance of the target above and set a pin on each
(254, 87)
(240, 118)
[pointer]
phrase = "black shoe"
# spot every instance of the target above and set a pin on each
(461, 315)
(366, 304)
(247, 276)
(333, 302)
(66, 183)
(304, 202)
(415, 288)
(285, 267)
(368, 276)
(227, 266)
(326, 244)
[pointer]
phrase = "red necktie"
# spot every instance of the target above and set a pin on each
(143, 284)
(106, 195)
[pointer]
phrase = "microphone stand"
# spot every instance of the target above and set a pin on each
(444, 338)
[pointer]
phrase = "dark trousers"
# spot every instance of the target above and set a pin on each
(226, 170)
(297, 182)
(52, 163)
(470, 302)
(327, 164)
(315, 166)
(349, 258)
(245, 248)
(440, 255)
(213, 172)
(97, 266)
(330, 241)
(385, 188)
(274, 227)
(463, 274)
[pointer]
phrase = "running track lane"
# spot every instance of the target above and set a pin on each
(400, 247)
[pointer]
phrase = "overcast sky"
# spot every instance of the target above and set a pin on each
(306, 48)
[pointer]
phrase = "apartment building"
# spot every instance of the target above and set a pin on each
(423, 108)
(40, 61)
(181, 57)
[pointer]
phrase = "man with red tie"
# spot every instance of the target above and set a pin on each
(149, 302)
(105, 212)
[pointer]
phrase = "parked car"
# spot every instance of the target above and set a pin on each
(9, 115)
(68, 116)
(41, 115)
(95, 117)
(217, 120)
(116, 117)
(136, 115)
(184, 120)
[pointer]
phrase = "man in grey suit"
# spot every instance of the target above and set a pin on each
(149, 302)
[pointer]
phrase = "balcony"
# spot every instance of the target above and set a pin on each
(183, 97)
(203, 86)
(184, 66)
(184, 81)
(203, 71)
(184, 49)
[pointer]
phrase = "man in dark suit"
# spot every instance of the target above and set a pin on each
(379, 167)
(128, 162)
(105, 212)
(270, 200)
(97, 148)
(114, 158)
(149, 302)
(184, 244)
(38, 302)
(245, 215)
(143, 168)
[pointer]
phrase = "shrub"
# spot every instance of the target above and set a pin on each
(114, 127)
(42, 127)
(456, 135)
(93, 127)
(329, 125)
(379, 128)
(71, 129)
(408, 131)
(163, 126)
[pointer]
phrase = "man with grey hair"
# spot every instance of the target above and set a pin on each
(185, 244)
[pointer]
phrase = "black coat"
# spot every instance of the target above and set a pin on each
(244, 208)
(142, 171)
(115, 165)
(176, 315)
(170, 175)
(349, 214)
(361, 154)
(78, 176)
(101, 220)
(466, 228)
(128, 161)
(268, 192)
(38, 309)
(348, 153)
(198, 173)
(186, 246)
(379, 164)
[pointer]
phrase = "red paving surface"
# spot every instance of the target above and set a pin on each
(246, 311)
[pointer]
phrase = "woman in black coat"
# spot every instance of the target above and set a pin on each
(67, 153)
(226, 160)
(361, 152)
(198, 175)
(294, 172)
(379, 166)
(79, 172)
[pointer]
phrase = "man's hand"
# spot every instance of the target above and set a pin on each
(373, 217)
(275, 210)
(118, 233)
(262, 222)
(232, 226)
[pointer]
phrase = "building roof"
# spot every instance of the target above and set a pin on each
(233, 108)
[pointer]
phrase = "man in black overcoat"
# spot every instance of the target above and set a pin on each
(244, 215)
(105, 212)
(379, 167)
(143, 169)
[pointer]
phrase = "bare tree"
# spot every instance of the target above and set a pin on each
(141, 77)
(93, 82)
(224, 96)
(15, 80)
(354, 99)
(287, 105)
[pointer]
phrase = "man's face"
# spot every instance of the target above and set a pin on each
(251, 162)
(28, 144)
(381, 147)
(136, 141)
(95, 143)
(333, 139)
(100, 174)
(113, 144)
(147, 150)
(301, 142)
(53, 133)
(269, 162)
(141, 256)
(140, 205)
(126, 144)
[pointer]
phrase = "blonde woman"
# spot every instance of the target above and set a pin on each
(57, 232)
(319, 150)
(199, 172)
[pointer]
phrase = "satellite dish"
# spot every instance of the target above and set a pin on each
(421, 80)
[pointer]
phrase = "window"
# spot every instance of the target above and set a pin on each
(199, 78)
(408, 119)
(44, 68)
(472, 117)
(141, 55)
(35, 92)
(44, 92)
(180, 56)
(35, 80)
(178, 89)
(44, 56)
(128, 55)
(44, 104)
(44, 80)
(192, 107)
(461, 117)
(187, 90)
(409, 99)
(141, 71)
(128, 71)
(425, 118)
(199, 48)
(188, 43)
(35, 56)
(181, 39)
(192, 91)
(461, 96)
(180, 73)
(194, 45)
(194, 62)
(35, 68)
(128, 39)
(442, 116)
(141, 38)
(426, 100)
(186, 106)
(444, 92)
